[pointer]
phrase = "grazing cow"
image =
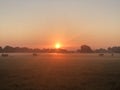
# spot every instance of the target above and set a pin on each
(112, 54)
(35, 54)
(101, 54)
(4, 55)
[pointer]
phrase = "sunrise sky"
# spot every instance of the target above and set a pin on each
(42, 23)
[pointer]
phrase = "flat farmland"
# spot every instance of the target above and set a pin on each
(60, 72)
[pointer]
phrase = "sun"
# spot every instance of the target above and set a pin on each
(57, 45)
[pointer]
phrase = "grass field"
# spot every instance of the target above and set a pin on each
(60, 72)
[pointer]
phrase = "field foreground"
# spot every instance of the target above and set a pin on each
(60, 72)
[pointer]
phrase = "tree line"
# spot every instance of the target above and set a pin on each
(82, 49)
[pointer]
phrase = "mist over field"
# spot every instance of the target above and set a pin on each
(59, 44)
(57, 71)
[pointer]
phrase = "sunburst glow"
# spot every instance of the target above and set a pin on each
(57, 45)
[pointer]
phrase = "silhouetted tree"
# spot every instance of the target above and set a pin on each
(101, 50)
(109, 49)
(114, 49)
(25, 49)
(0, 49)
(37, 50)
(85, 49)
(17, 49)
(8, 49)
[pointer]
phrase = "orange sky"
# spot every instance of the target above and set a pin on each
(42, 23)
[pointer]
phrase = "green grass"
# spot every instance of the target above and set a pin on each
(60, 72)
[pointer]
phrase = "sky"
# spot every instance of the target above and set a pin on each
(72, 23)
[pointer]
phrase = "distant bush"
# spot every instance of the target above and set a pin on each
(85, 49)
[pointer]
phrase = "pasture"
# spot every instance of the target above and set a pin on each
(60, 72)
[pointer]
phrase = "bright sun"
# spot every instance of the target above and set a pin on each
(57, 46)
